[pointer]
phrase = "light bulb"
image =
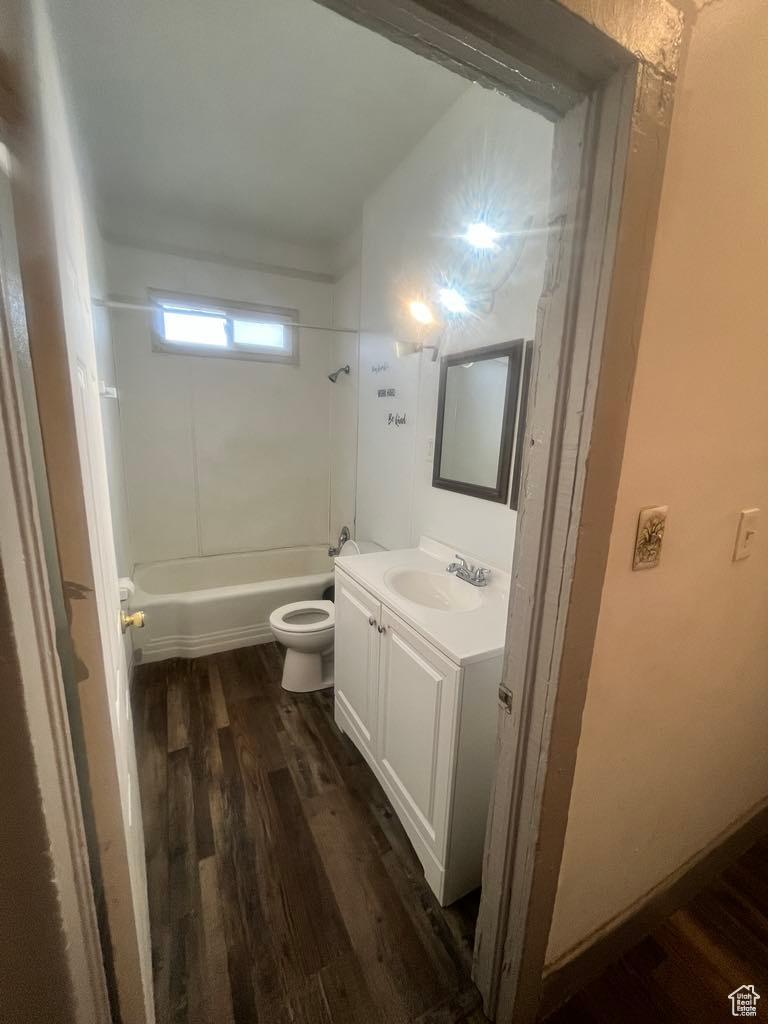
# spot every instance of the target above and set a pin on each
(453, 301)
(421, 312)
(481, 236)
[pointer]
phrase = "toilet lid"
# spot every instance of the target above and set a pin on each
(304, 617)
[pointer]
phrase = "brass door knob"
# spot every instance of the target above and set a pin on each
(135, 620)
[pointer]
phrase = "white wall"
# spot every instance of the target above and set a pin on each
(673, 752)
(220, 454)
(343, 402)
(484, 152)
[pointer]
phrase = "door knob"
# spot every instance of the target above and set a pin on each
(382, 629)
(135, 620)
(371, 621)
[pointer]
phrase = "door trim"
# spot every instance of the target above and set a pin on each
(622, 60)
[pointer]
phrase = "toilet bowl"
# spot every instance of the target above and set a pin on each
(305, 628)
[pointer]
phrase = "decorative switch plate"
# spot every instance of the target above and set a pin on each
(651, 524)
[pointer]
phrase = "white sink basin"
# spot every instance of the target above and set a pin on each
(433, 589)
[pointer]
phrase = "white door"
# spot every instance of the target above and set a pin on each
(356, 658)
(61, 342)
(418, 690)
(90, 438)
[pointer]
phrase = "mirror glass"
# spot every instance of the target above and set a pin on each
(474, 437)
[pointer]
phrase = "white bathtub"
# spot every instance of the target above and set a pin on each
(196, 606)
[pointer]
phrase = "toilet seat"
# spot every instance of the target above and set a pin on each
(304, 617)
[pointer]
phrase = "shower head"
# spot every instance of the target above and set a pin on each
(333, 377)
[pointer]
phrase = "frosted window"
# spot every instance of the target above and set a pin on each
(228, 329)
(192, 328)
(259, 333)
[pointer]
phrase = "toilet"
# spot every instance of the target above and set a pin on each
(305, 628)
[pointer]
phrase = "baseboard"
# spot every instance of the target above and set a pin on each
(571, 973)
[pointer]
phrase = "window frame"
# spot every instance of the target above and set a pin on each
(231, 310)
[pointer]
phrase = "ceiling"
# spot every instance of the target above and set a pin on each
(277, 117)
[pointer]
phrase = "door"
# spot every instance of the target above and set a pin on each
(356, 667)
(418, 690)
(56, 328)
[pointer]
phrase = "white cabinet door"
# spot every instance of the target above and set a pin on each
(418, 690)
(356, 658)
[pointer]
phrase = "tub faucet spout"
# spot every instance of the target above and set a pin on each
(343, 538)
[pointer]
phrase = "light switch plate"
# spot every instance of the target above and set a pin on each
(745, 535)
(651, 524)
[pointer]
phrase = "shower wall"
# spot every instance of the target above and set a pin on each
(221, 455)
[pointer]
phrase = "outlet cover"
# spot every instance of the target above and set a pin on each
(651, 524)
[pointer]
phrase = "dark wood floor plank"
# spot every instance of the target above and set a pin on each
(271, 658)
(225, 822)
(347, 994)
(221, 715)
(151, 721)
(305, 753)
(252, 943)
(305, 886)
(396, 966)
(201, 730)
(184, 895)
(178, 704)
(307, 1004)
(217, 990)
(457, 1007)
(255, 727)
(294, 894)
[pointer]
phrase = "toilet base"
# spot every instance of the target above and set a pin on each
(304, 673)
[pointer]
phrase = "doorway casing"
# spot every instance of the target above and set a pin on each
(605, 73)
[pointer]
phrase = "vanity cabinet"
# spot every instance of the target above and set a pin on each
(426, 726)
(356, 661)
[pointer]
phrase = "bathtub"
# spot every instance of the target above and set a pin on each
(197, 606)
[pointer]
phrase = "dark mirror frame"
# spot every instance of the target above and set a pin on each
(514, 350)
(517, 468)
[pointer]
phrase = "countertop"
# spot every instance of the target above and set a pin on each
(464, 636)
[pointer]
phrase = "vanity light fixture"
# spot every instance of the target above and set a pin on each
(453, 301)
(481, 235)
(421, 312)
(412, 348)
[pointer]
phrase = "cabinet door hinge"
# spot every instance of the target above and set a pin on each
(505, 697)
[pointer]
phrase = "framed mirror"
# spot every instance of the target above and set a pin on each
(476, 412)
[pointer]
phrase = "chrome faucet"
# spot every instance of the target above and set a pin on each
(343, 538)
(474, 574)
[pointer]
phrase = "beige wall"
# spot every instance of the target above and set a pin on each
(673, 749)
